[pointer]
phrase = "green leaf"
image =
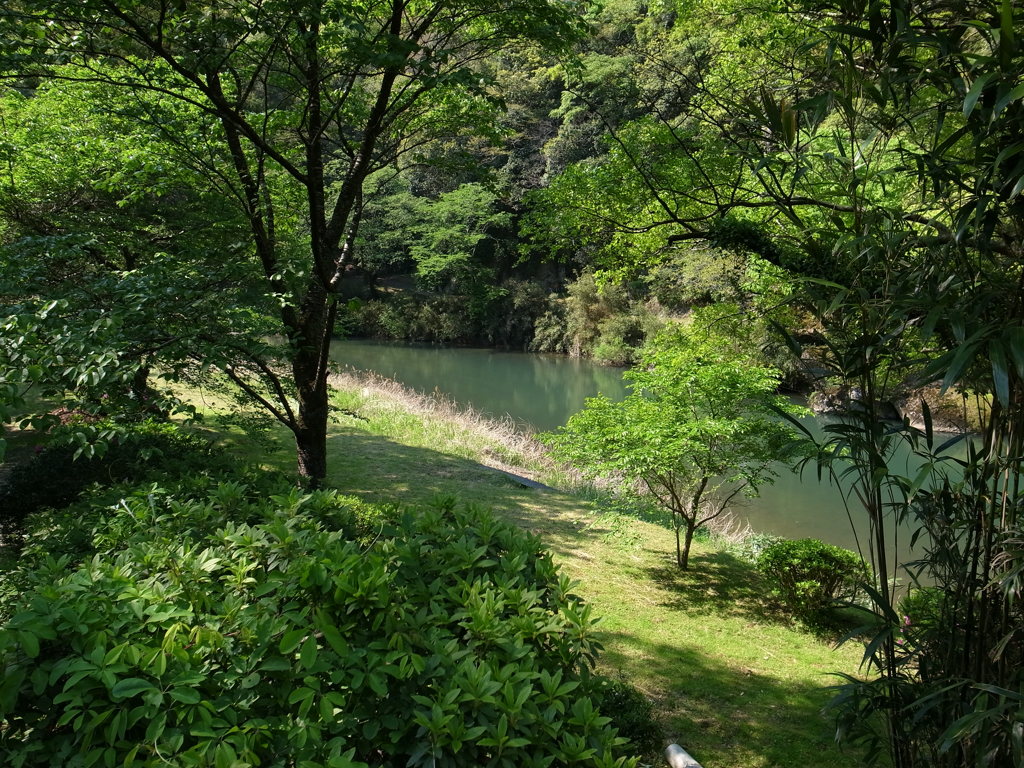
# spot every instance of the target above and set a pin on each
(225, 756)
(1014, 340)
(300, 694)
(131, 686)
(307, 658)
(961, 358)
(1007, 35)
(275, 665)
(922, 476)
(977, 88)
(29, 643)
(291, 640)
(1000, 373)
(1013, 94)
(1017, 188)
(334, 638)
(185, 695)
(249, 681)
(156, 727)
(10, 687)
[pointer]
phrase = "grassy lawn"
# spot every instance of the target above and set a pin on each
(737, 685)
(733, 683)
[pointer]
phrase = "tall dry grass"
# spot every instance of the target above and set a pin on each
(440, 422)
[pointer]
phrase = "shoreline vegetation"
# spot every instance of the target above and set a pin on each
(732, 679)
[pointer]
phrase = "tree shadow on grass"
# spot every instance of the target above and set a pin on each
(378, 469)
(717, 583)
(722, 584)
(726, 715)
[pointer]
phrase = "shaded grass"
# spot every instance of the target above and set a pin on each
(736, 684)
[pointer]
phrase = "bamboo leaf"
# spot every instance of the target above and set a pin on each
(1012, 94)
(951, 141)
(1000, 373)
(1007, 36)
(1014, 338)
(950, 443)
(998, 691)
(923, 474)
(1017, 188)
(790, 341)
(960, 360)
(977, 88)
(962, 728)
(883, 604)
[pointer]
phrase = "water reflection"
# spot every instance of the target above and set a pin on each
(538, 391)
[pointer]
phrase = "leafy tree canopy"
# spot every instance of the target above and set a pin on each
(304, 101)
(700, 427)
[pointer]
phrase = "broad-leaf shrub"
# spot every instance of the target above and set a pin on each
(54, 476)
(809, 576)
(227, 628)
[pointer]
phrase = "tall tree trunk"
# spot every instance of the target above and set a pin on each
(679, 548)
(140, 385)
(311, 438)
(309, 370)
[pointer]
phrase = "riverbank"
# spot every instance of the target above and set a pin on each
(738, 685)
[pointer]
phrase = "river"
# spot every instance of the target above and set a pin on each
(542, 391)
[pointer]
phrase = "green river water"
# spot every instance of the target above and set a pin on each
(542, 391)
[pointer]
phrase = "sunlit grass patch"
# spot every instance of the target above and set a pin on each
(737, 684)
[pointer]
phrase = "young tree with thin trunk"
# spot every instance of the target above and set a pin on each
(699, 429)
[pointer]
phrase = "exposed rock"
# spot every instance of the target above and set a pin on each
(948, 411)
(840, 400)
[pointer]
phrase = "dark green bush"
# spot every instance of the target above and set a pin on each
(603, 322)
(619, 337)
(808, 576)
(85, 527)
(631, 712)
(698, 277)
(54, 476)
(550, 332)
(218, 626)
